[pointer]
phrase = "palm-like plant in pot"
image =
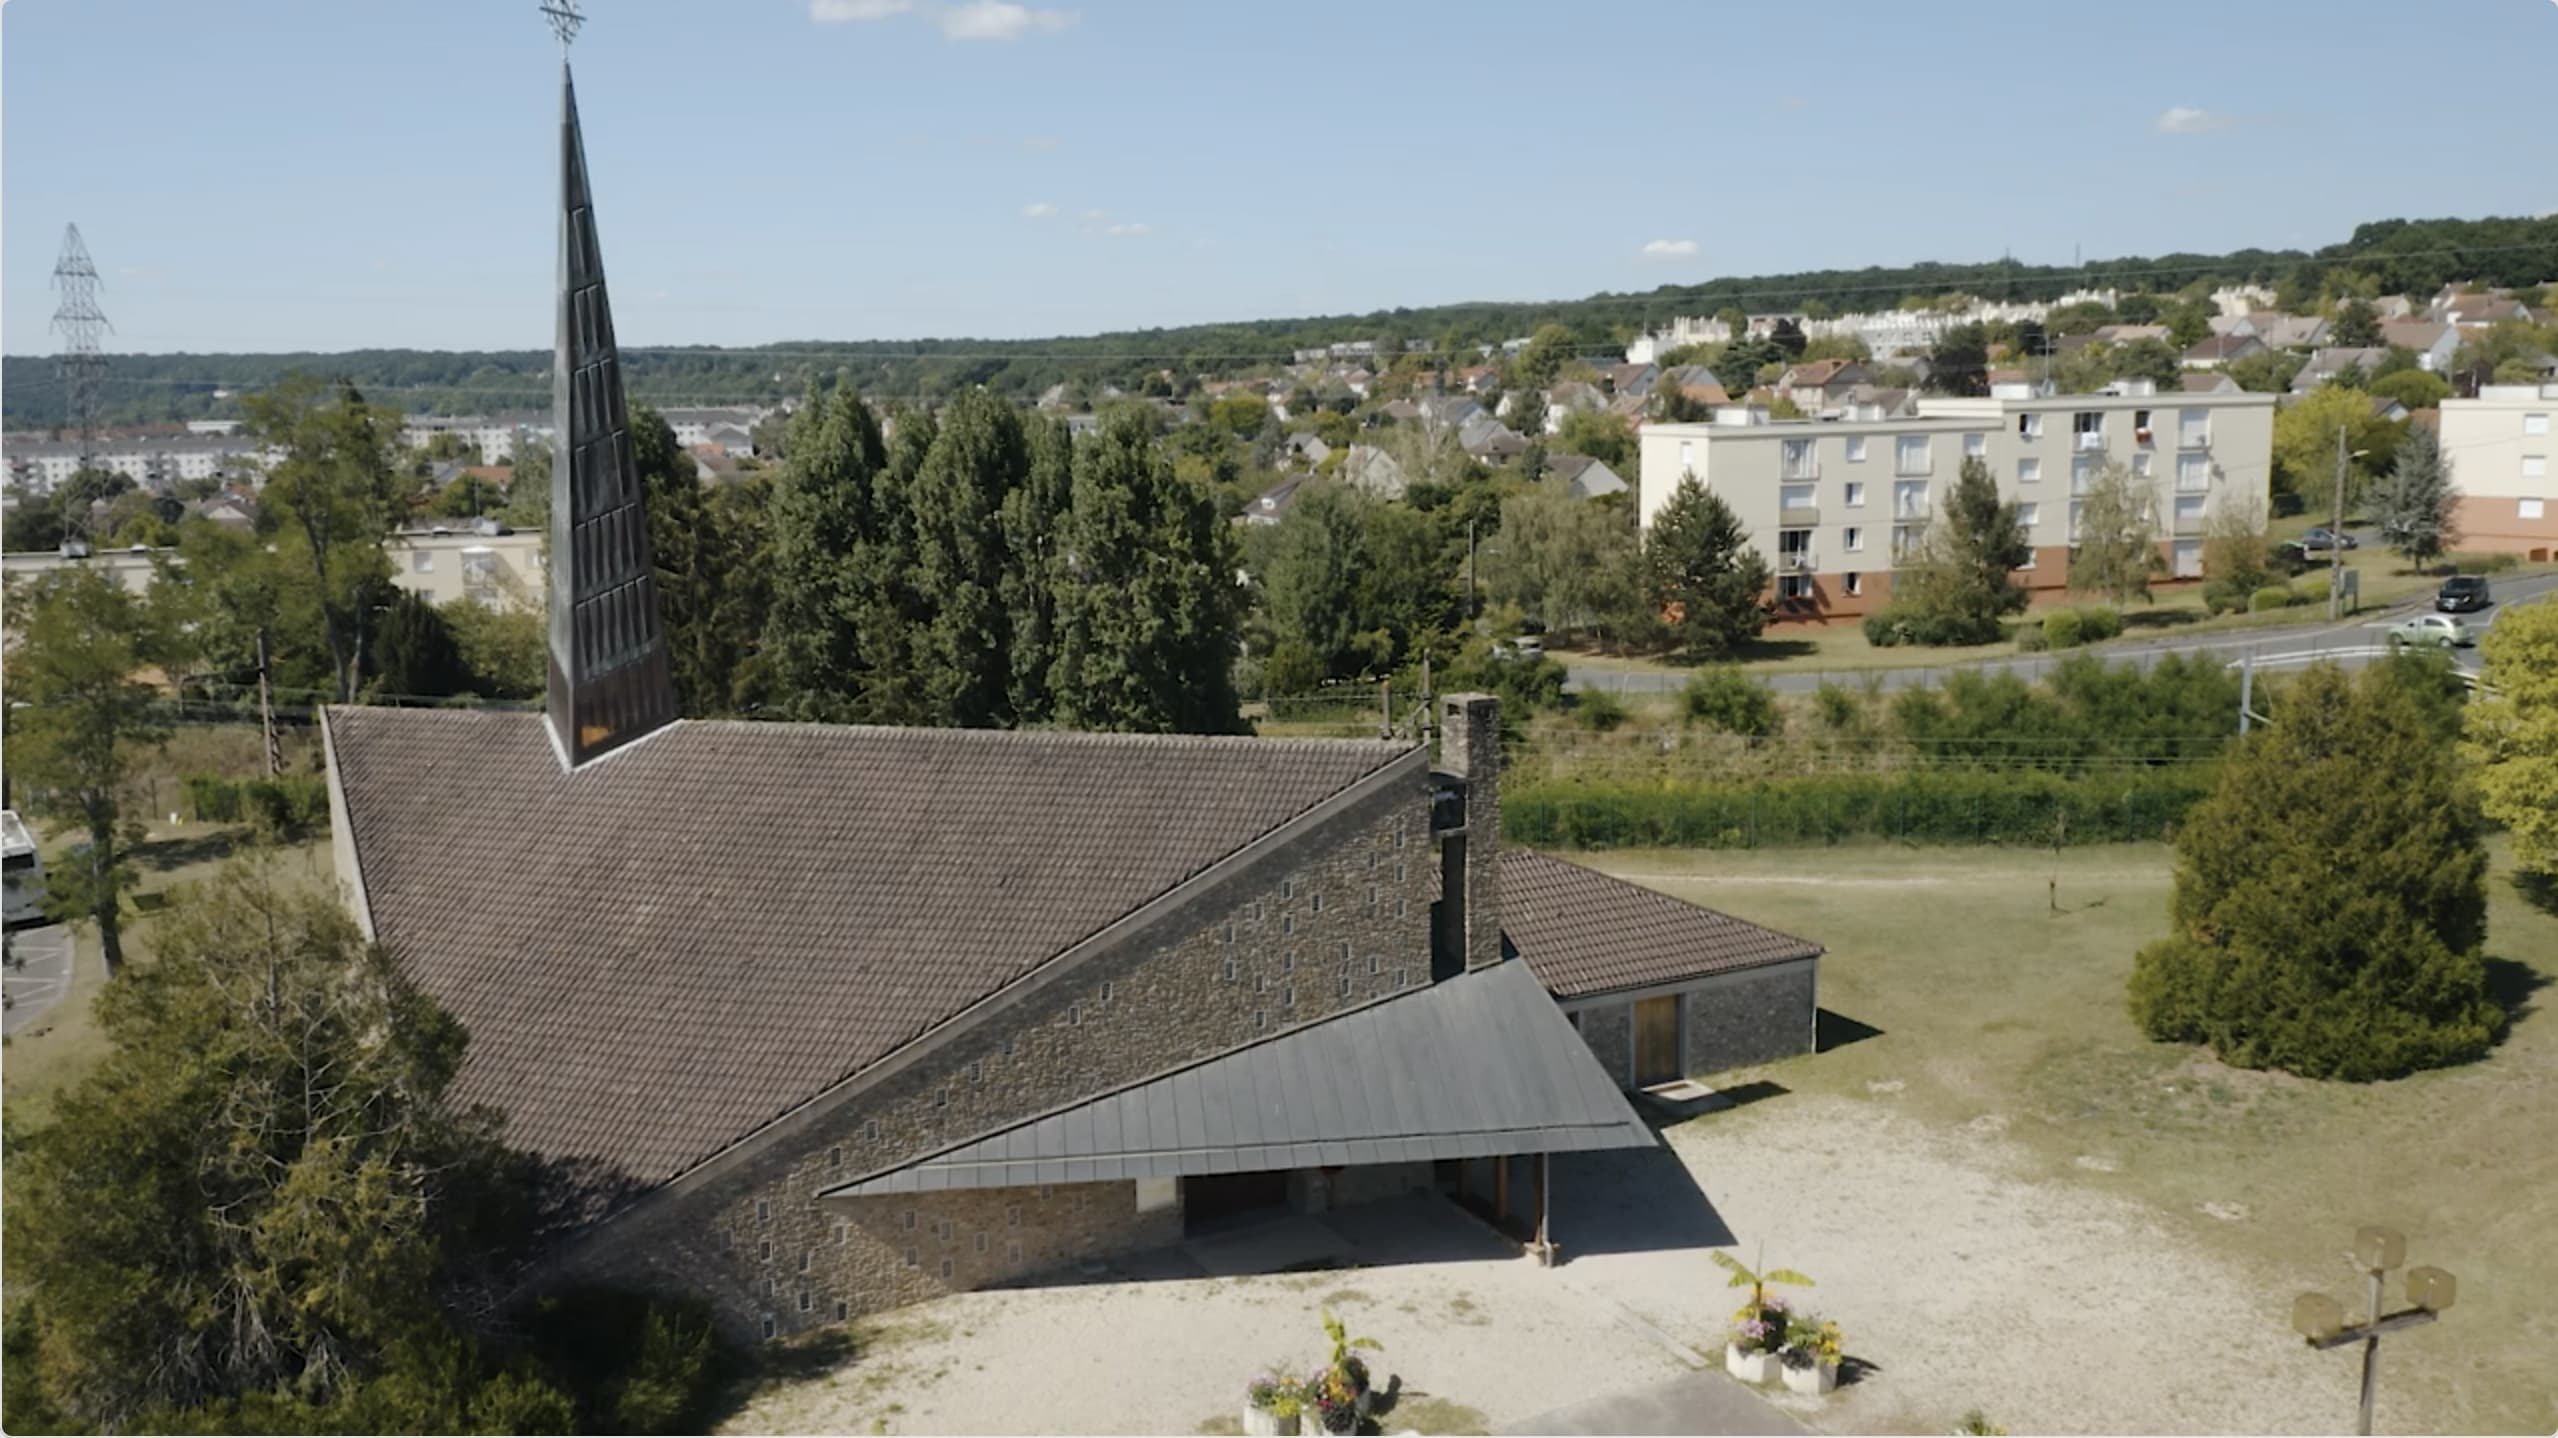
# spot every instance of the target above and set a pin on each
(1339, 1392)
(1758, 1326)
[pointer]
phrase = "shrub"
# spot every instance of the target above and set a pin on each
(2063, 629)
(1841, 708)
(632, 1364)
(1895, 624)
(2097, 622)
(2221, 596)
(1940, 806)
(290, 804)
(2484, 563)
(1598, 709)
(2030, 640)
(2273, 596)
(1292, 668)
(1731, 701)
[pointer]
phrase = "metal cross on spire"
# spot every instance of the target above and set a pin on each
(565, 18)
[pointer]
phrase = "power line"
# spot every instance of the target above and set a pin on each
(80, 322)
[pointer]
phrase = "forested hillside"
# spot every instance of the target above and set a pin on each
(2382, 257)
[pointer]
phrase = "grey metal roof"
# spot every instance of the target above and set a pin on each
(1469, 1067)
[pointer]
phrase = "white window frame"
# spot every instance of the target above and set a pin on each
(1687, 453)
(2193, 473)
(1852, 583)
(1794, 586)
(2028, 513)
(2141, 468)
(1856, 449)
(2029, 425)
(1904, 490)
(2531, 507)
(2535, 424)
(1852, 539)
(1905, 445)
(2535, 466)
(2189, 506)
(1807, 493)
(2029, 470)
(422, 562)
(1975, 444)
(2193, 428)
(2074, 508)
(1856, 494)
(1797, 459)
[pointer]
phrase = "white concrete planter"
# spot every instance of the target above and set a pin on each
(1813, 1381)
(1262, 1423)
(1749, 1367)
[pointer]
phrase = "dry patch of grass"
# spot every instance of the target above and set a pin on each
(1998, 1014)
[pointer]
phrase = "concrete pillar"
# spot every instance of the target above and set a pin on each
(1470, 749)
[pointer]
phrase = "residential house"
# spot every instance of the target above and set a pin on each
(1373, 471)
(1819, 384)
(2478, 311)
(2327, 364)
(914, 1011)
(2503, 446)
(2383, 407)
(1571, 395)
(2289, 332)
(1696, 382)
(1271, 506)
(2214, 351)
(1307, 448)
(2434, 341)
(1833, 504)
(1583, 476)
(1489, 440)
(2195, 381)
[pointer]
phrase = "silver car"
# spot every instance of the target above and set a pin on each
(2432, 629)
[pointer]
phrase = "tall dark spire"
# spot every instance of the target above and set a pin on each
(610, 678)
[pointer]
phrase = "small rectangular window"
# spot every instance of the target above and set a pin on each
(1288, 962)
(1012, 1216)
(768, 1288)
(1012, 1253)
(1107, 990)
(1975, 444)
(945, 1230)
(2535, 424)
(1856, 449)
(1287, 888)
(763, 1250)
(976, 1071)
(1401, 908)
(1227, 971)
(870, 1130)
(1011, 1046)
(843, 1232)
(946, 1267)
(763, 1211)
(768, 1325)
(941, 1098)
(843, 1310)
(1345, 986)
(911, 1260)
(1372, 898)
(804, 1301)
(1260, 1020)
(1376, 963)
(1853, 583)
(1316, 900)
(984, 1241)
(907, 1220)
(1287, 996)
(803, 1260)
(1074, 1015)
(1398, 873)
(1230, 932)
(1287, 923)
(835, 1157)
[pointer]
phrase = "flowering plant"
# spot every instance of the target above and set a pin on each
(1810, 1341)
(1759, 1326)
(1281, 1397)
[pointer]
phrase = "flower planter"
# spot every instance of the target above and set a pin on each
(1812, 1379)
(1750, 1366)
(1262, 1423)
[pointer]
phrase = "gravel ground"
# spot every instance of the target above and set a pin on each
(2053, 1309)
(1501, 1337)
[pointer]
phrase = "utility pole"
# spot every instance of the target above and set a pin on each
(2246, 689)
(1471, 610)
(2321, 1319)
(266, 713)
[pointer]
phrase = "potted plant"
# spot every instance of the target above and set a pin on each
(1811, 1355)
(1976, 1424)
(1758, 1326)
(1339, 1393)
(1272, 1403)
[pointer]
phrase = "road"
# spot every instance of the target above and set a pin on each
(46, 953)
(2354, 642)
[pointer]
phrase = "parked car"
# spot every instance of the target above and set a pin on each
(2322, 538)
(2432, 629)
(2464, 594)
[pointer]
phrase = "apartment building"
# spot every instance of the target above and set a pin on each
(151, 461)
(504, 571)
(494, 436)
(1834, 503)
(2499, 446)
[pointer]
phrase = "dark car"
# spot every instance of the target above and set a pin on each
(2323, 538)
(2463, 594)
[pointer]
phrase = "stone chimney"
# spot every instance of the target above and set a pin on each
(1470, 856)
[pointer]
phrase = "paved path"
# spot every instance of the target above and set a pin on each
(1706, 1402)
(47, 952)
(2355, 642)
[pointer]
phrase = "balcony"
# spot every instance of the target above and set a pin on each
(2090, 439)
(1911, 508)
(1796, 561)
(2193, 438)
(1799, 516)
(1798, 467)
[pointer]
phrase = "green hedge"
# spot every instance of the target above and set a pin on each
(1937, 806)
(288, 804)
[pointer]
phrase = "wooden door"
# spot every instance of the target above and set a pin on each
(1656, 1040)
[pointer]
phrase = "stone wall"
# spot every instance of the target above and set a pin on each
(1608, 1028)
(1750, 1017)
(1336, 918)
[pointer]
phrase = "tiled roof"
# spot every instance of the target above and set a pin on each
(667, 949)
(1583, 932)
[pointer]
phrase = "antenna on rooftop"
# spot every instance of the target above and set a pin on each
(565, 17)
(80, 322)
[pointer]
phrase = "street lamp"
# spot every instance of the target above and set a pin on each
(2321, 1319)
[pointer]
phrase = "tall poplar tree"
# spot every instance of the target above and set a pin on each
(1147, 605)
(979, 456)
(1033, 514)
(821, 655)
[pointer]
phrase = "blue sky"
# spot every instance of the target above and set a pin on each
(267, 176)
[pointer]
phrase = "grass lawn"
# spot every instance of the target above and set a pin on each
(1989, 1000)
(67, 1043)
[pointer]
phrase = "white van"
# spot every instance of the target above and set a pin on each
(24, 868)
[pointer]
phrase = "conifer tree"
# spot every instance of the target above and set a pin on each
(965, 648)
(1703, 568)
(823, 651)
(1033, 514)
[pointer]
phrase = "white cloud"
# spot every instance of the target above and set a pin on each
(1000, 20)
(1670, 250)
(1038, 210)
(2190, 120)
(855, 12)
(1095, 215)
(1132, 227)
(973, 20)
